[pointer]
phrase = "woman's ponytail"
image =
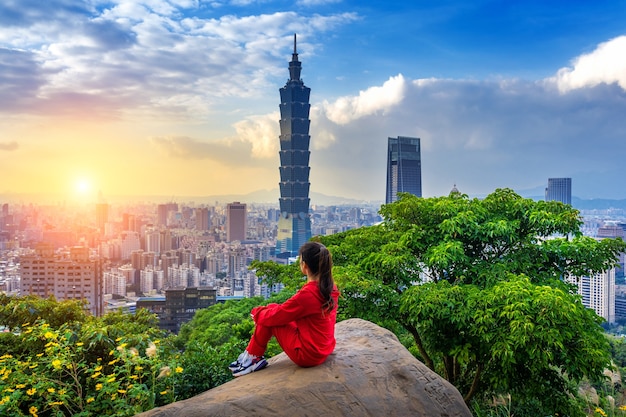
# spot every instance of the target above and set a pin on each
(318, 259)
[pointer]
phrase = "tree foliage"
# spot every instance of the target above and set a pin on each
(492, 313)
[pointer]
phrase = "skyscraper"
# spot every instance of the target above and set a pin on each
(559, 189)
(404, 167)
(294, 224)
(236, 221)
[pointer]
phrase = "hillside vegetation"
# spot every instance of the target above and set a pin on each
(473, 288)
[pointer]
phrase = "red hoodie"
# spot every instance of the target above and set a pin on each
(316, 328)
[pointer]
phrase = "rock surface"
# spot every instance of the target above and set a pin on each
(369, 374)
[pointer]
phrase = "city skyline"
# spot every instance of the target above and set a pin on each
(178, 98)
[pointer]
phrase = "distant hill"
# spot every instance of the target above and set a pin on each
(591, 204)
(598, 204)
(258, 197)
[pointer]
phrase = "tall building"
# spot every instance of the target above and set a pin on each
(203, 219)
(294, 224)
(102, 216)
(73, 276)
(598, 293)
(236, 221)
(404, 167)
(559, 189)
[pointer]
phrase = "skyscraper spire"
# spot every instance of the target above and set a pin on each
(295, 66)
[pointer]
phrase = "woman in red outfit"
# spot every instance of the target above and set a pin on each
(304, 325)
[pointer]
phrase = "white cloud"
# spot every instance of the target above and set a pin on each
(138, 56)
(262, 133)
(606, 64)
(480, 135)
(374, 100)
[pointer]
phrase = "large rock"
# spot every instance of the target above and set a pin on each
(369, 374)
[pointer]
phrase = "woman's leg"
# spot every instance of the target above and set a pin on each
(287, 337)
(258, 341)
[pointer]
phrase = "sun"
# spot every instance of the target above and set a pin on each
(82, 186)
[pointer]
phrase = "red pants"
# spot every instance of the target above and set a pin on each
(288, 339)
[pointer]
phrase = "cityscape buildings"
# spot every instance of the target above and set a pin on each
(294, 224)
(559, 189)
(404, 167)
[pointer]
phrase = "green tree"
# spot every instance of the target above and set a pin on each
(492, 272)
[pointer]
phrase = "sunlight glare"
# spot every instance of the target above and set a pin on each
(82, 186)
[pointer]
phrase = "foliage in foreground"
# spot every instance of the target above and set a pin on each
(116, 365)
(492, 314)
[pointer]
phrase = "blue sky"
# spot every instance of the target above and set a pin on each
(180, 97)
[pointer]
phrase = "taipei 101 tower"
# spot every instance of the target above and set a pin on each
(294, 224)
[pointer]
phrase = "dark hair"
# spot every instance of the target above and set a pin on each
(320, 262)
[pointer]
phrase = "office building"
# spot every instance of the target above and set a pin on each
(181, 305)
(598, 293)
(559, 189)
(294, 223)
(203, 218)
(69, 276)
(102, 216)
(236, 221)
(404, 167)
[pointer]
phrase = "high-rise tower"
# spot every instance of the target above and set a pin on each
(404, 167)
(559, 189)
(294, 224)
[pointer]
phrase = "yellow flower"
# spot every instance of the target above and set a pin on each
(118, 339)
(138, 368)
(32, 366)
(79, 344)
(156, 342)
(133, 377)
(49, 335)
(98, 387)
(163, 392)
(39, 355)
(51, 390)
(28, 331)
(4, 400)
(114, 361)
(111, 379)
(56, 403)
(56, 364)
(31, 391)
(600, 411)
(25, 324)
(33, 411)
(96, 375)
(622, 407)
(121, 391)
(98, 368)
(90, 400)
(179, 370)
(61, 392)
(18, 386)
